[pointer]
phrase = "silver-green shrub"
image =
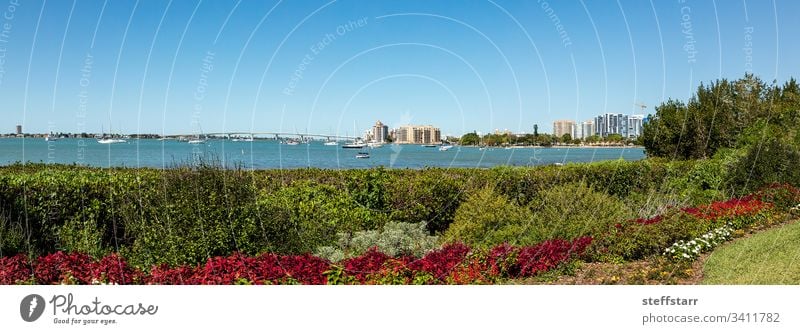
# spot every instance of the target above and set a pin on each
(394, 239)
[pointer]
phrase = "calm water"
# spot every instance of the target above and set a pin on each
(265, 154)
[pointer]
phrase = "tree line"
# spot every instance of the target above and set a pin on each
(724, 114)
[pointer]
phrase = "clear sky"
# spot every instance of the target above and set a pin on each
(331, 66)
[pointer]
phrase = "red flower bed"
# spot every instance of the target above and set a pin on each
(114, 270)
(306, 269)
(165, 275)
(549, 254)
(441, 262)
(368, 264)
(14, 269)
(60, 267)
(455, 263)
(734, 207)
(225, 270)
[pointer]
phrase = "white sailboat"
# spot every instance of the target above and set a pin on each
(357, 142)
(199, 139)
(109, 139)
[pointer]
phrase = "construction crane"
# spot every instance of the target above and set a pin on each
(641, 106)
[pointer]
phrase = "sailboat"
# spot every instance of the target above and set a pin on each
(357, 142)
(199, 138)
(109, 139)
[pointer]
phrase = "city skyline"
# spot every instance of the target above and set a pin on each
(317, 66)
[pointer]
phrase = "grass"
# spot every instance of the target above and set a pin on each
(769, 257)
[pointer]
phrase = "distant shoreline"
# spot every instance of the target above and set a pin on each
(559, 146)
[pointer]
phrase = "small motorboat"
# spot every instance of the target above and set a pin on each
(362, 155)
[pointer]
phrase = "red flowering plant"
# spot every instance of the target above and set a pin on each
(268, 269)
(454, 264)
(738, 212)
(503, 260)
(549, 254)
(440, 263)
(475, 269)
(305, 269)
(225, 270)
(363, 266)
(63, 268)
(783, 196)
(112, 269)
(164, 275)
(15, 269)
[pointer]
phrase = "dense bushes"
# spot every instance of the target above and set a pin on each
(573, 210)
(772, 161)
(485, 218)
(186, 215)
(566, 212)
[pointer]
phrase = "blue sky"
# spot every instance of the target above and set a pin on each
(332, 66)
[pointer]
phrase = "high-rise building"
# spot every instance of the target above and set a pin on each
(635, 125)
(608, 123)
(19, 129)
(587, 129)
(628, 126)
(562, 127)
(418, 134)
(380, 132)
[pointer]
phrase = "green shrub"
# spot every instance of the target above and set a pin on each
(12, 239)
(368, 189)
(302, 217)
(481, 218)
(430, 195)
(655, 202)
(573, 210)
(82, 236)
(771, 161)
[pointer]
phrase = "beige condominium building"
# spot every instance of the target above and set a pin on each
(418, 134)
(562, 127)
(380, 132)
